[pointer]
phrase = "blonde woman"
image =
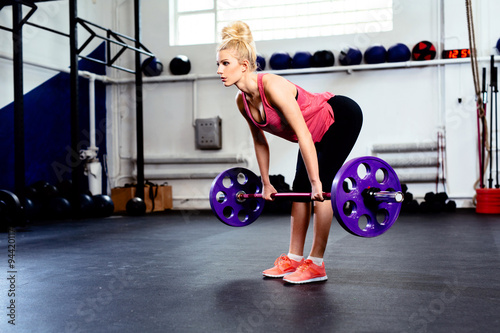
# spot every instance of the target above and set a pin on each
(325, 127)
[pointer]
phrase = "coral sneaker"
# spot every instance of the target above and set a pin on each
(282, 266)
(307, 272)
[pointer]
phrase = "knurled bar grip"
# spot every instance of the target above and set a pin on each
(385, 196)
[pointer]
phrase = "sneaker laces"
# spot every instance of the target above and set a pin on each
(304, 266)
(283, 257)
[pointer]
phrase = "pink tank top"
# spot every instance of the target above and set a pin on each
(318, 114)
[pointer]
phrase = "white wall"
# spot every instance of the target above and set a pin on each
(408, 105)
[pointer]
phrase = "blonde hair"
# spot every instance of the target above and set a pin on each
(237, 37)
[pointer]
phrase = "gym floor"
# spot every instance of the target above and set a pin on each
(184, 271)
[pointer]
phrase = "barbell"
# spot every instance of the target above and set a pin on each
(366, 196)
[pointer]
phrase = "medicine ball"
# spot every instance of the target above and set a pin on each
(376, 54)
(82, 205)
(44, 190)
(65, 188)
(31, 210)
(11, 211)
(324, 58)
(350, 56)
(261, 63)
(302, 60)
(152, 67)
(280, 60)
(180, 65)
(398, 53)
(58, 208)
(31, 192)
(103, 205)
(498, 45)
(423, 51)
(136, 207)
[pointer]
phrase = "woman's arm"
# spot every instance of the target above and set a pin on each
(261, 150)
(281, 95)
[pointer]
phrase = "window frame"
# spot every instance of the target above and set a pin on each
(174, 15)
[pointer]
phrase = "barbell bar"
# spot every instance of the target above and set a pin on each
(377, 195)
(366, 196)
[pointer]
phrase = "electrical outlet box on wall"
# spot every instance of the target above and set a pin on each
(208, 133)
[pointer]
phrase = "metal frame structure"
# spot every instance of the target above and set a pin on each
(112, 37)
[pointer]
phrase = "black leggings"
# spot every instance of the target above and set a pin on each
(335, 145)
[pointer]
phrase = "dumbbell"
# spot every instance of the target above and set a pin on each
(365, 195)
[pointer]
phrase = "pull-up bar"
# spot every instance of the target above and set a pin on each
(47, 29)
(118, 40)
(111, 38)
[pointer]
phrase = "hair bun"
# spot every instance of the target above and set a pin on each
(237, 30)
(237, 37)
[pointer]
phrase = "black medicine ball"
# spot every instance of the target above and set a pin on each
(103, 205)
(180, 65)
(324, 58)
(136, 207)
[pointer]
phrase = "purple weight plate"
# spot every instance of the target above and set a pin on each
(223, 197)
(348, 203)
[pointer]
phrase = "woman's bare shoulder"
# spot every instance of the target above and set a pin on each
(276, 84)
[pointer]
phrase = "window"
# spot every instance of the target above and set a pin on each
(200, 21)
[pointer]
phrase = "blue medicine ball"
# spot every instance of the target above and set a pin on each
(280, 60)
(261, 63)
(350, 56)
(498, 45)
(302, 60)
(152, 66)
(376, 54)
(398, 53)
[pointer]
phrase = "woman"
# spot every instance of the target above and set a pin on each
(325, 127)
